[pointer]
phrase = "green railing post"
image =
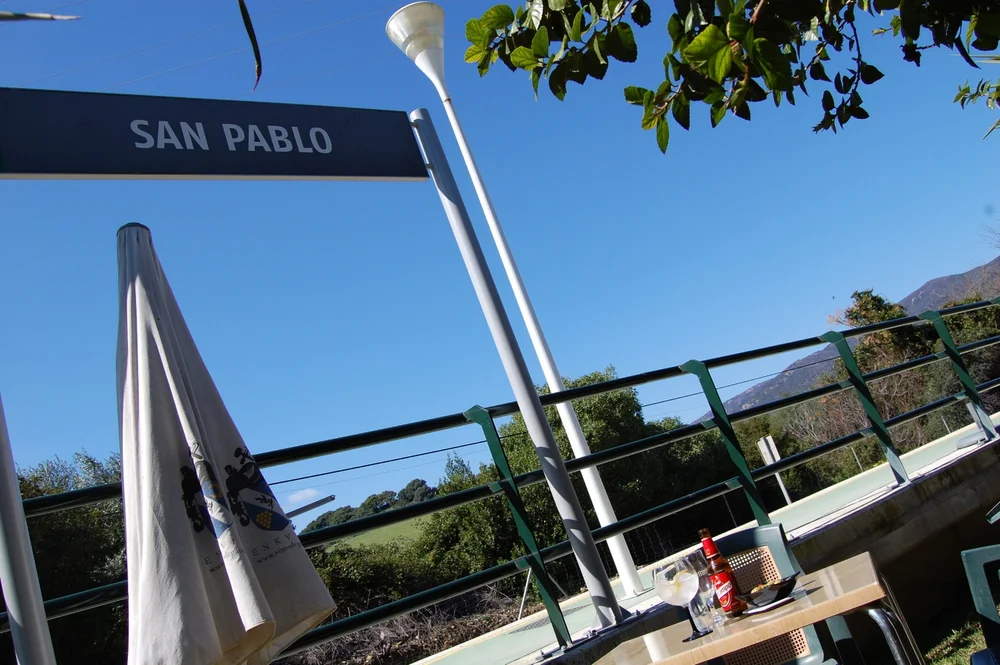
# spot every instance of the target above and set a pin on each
(857, 381)
(546, 588)
(979, 413)
(721, 418)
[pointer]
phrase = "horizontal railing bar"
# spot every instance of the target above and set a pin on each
(672, 507)
(791, 461)
(54, 503)
(406, 605)
(115, 592)
(93, 598)
(329, 534)
(908, 320)
(87, 496)
(494, 574)
(773, 350)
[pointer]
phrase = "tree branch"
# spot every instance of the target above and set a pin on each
(756, 12)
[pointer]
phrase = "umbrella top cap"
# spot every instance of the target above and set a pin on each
(134, 225)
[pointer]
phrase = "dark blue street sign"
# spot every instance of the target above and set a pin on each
(55, 134)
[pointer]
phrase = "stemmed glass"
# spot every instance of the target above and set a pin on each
(677, 584)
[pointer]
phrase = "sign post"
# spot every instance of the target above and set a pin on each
(80, 135)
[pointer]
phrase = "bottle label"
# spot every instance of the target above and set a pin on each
(723, 590)
(708, 546)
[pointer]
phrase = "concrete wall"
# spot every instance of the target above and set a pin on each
(916, 534)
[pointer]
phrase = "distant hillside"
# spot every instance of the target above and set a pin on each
(932, 295)
(416, 491)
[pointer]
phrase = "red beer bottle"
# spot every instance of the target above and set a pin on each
(721, 574)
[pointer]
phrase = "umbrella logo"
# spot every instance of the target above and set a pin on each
(204, 500)
(250, 496)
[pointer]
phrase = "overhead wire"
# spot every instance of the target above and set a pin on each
(523, 432)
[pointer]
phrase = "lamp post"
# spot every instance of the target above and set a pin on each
(418, 30)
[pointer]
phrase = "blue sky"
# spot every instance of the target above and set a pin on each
(324, 309)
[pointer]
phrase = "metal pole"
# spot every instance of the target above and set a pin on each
(769, 452)
(580, 538)
(306, 508)
(18, 576)
(577, 440)
(524, 596)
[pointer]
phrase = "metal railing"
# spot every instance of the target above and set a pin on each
(116, 592)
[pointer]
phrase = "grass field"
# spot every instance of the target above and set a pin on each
(957, 646)
(403, 531)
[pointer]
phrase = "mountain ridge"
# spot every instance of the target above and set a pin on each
(802, 374)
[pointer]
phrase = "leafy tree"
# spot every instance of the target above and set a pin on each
(76, 550)
(376, 503)
(331, 518)
(416, 490)
(728, 54)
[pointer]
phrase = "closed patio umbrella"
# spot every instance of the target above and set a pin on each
(216, 574)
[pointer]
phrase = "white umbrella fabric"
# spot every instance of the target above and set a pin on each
(216, 574)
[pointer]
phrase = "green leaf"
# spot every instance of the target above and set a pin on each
(536, 75)
(710, 53)
(725, 7)
(661, 93)
(817, 72)
(649, 116)
(773, 65)
(476, 33)
(634, 94)
(576, 30)
(536, 11)
(593, 61)
(621, 45)
(596, 44)
(718, 113)
(995, 125)
(859, 113)
(870, 74)
(737, 27)
(706, 44)
(540, 43)
(886, 5)
(641, 13)
(474, 53)
(557, 81)
(497, 17)
(662, 133)
(755, 93)
(674, 66)
(682, 113)
(558, 5)
(676, 31)
(489, 57)
(742, 111)
(828, 102)
(695, 18)
(909, 18)
(523, 58)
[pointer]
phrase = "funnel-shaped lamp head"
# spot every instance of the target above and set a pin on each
(418, 30)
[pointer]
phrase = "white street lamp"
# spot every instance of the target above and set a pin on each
(418, 30)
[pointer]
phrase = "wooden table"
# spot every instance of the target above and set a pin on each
(845, 587)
